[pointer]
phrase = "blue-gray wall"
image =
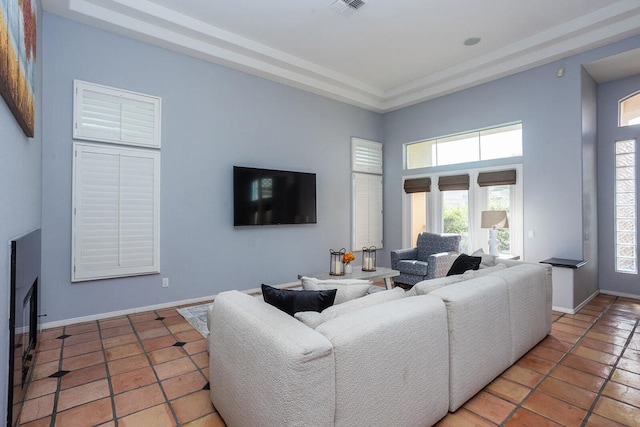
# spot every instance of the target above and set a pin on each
(608, 132)
(213, 118)
(559, 154)
(20, 203)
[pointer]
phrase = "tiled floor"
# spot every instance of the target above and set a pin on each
(151, 369)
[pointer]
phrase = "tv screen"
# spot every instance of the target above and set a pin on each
(268, 197)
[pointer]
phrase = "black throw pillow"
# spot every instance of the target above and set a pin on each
(291, 301)
(463, 263)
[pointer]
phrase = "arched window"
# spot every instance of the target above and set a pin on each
(629, 111)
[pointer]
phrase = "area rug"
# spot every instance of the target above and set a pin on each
(197, 316)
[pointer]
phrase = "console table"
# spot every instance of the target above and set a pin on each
(357, 273)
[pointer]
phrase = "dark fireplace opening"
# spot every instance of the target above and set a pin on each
(23, 319)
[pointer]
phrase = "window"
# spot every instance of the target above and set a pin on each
(629, 113)
(116, 210)
(456, 203)
(625, 209)
(493, 143)
(366, 167)
(106, 114)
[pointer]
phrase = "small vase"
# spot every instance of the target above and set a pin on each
(348, 269)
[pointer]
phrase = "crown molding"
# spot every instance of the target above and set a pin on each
(160, 26)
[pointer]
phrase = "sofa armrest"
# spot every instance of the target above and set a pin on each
(402, 344)
(440, 263)
(400, 254)
(266, 367)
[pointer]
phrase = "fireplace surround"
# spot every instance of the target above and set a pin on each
(23, 318)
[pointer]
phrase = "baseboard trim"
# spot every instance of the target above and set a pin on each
(100, 316)
(620, 294)
(579, 307)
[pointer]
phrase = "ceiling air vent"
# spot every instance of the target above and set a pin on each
(347, 7)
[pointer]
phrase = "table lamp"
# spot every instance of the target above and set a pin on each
(494, 220)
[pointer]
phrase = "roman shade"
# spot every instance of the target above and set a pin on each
(417, 185)
(505, 177)
(454, 182)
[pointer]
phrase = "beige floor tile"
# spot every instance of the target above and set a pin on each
(192, 406)
(555, 409)
(136, 400)
(183, 384)
(210, 420)
(123, 351)
(89, 414)
(83, 376)
(37, 408)
(174, 368)
(128, 364)
(83, 394)
(490, 407)
(617, 411)
(156, 416)
(132, 379)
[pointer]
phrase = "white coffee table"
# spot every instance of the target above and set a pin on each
(357, 273)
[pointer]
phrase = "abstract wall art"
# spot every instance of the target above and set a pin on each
(18, 59)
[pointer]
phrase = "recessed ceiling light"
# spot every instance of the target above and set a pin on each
(471, 41)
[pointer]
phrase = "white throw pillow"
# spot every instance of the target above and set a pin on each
(487, 259)
(348, 289)
(314, 319)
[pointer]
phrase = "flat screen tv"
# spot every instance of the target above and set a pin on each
(273, 197)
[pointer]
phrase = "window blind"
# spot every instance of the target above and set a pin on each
(505, 177)
(417, 185)
(366, 156)
(107, 114)
(116, 207)
(454, 182)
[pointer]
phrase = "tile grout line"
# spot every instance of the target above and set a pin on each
(556, 364)
(608, 379)
(112, 395)
(151, 364)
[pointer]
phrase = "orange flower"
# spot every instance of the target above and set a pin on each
(348, 257)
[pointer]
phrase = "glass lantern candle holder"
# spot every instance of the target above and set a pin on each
(336, 267)
(369, 259)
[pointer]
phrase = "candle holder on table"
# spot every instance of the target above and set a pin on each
(336, 268)
(369, 259)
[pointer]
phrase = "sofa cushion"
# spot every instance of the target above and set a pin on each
(291, 301)
(463, 263)
(471, 274)
(347, 289)
(488, 260)
(313, 319)
(417, 268)
(426, 286)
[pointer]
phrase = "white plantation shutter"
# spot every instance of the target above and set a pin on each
(116, 203)
(367, 195)
(366, 165)
(105, 114)
(366, 156)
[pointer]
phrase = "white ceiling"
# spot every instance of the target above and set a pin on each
(386, 55)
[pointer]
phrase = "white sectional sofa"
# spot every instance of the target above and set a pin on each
(403, 362)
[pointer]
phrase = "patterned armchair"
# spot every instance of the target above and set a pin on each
(431, 258)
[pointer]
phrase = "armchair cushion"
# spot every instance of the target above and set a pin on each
(432, 243)
(415, 267)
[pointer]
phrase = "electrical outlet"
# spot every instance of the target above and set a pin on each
(165, 282)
